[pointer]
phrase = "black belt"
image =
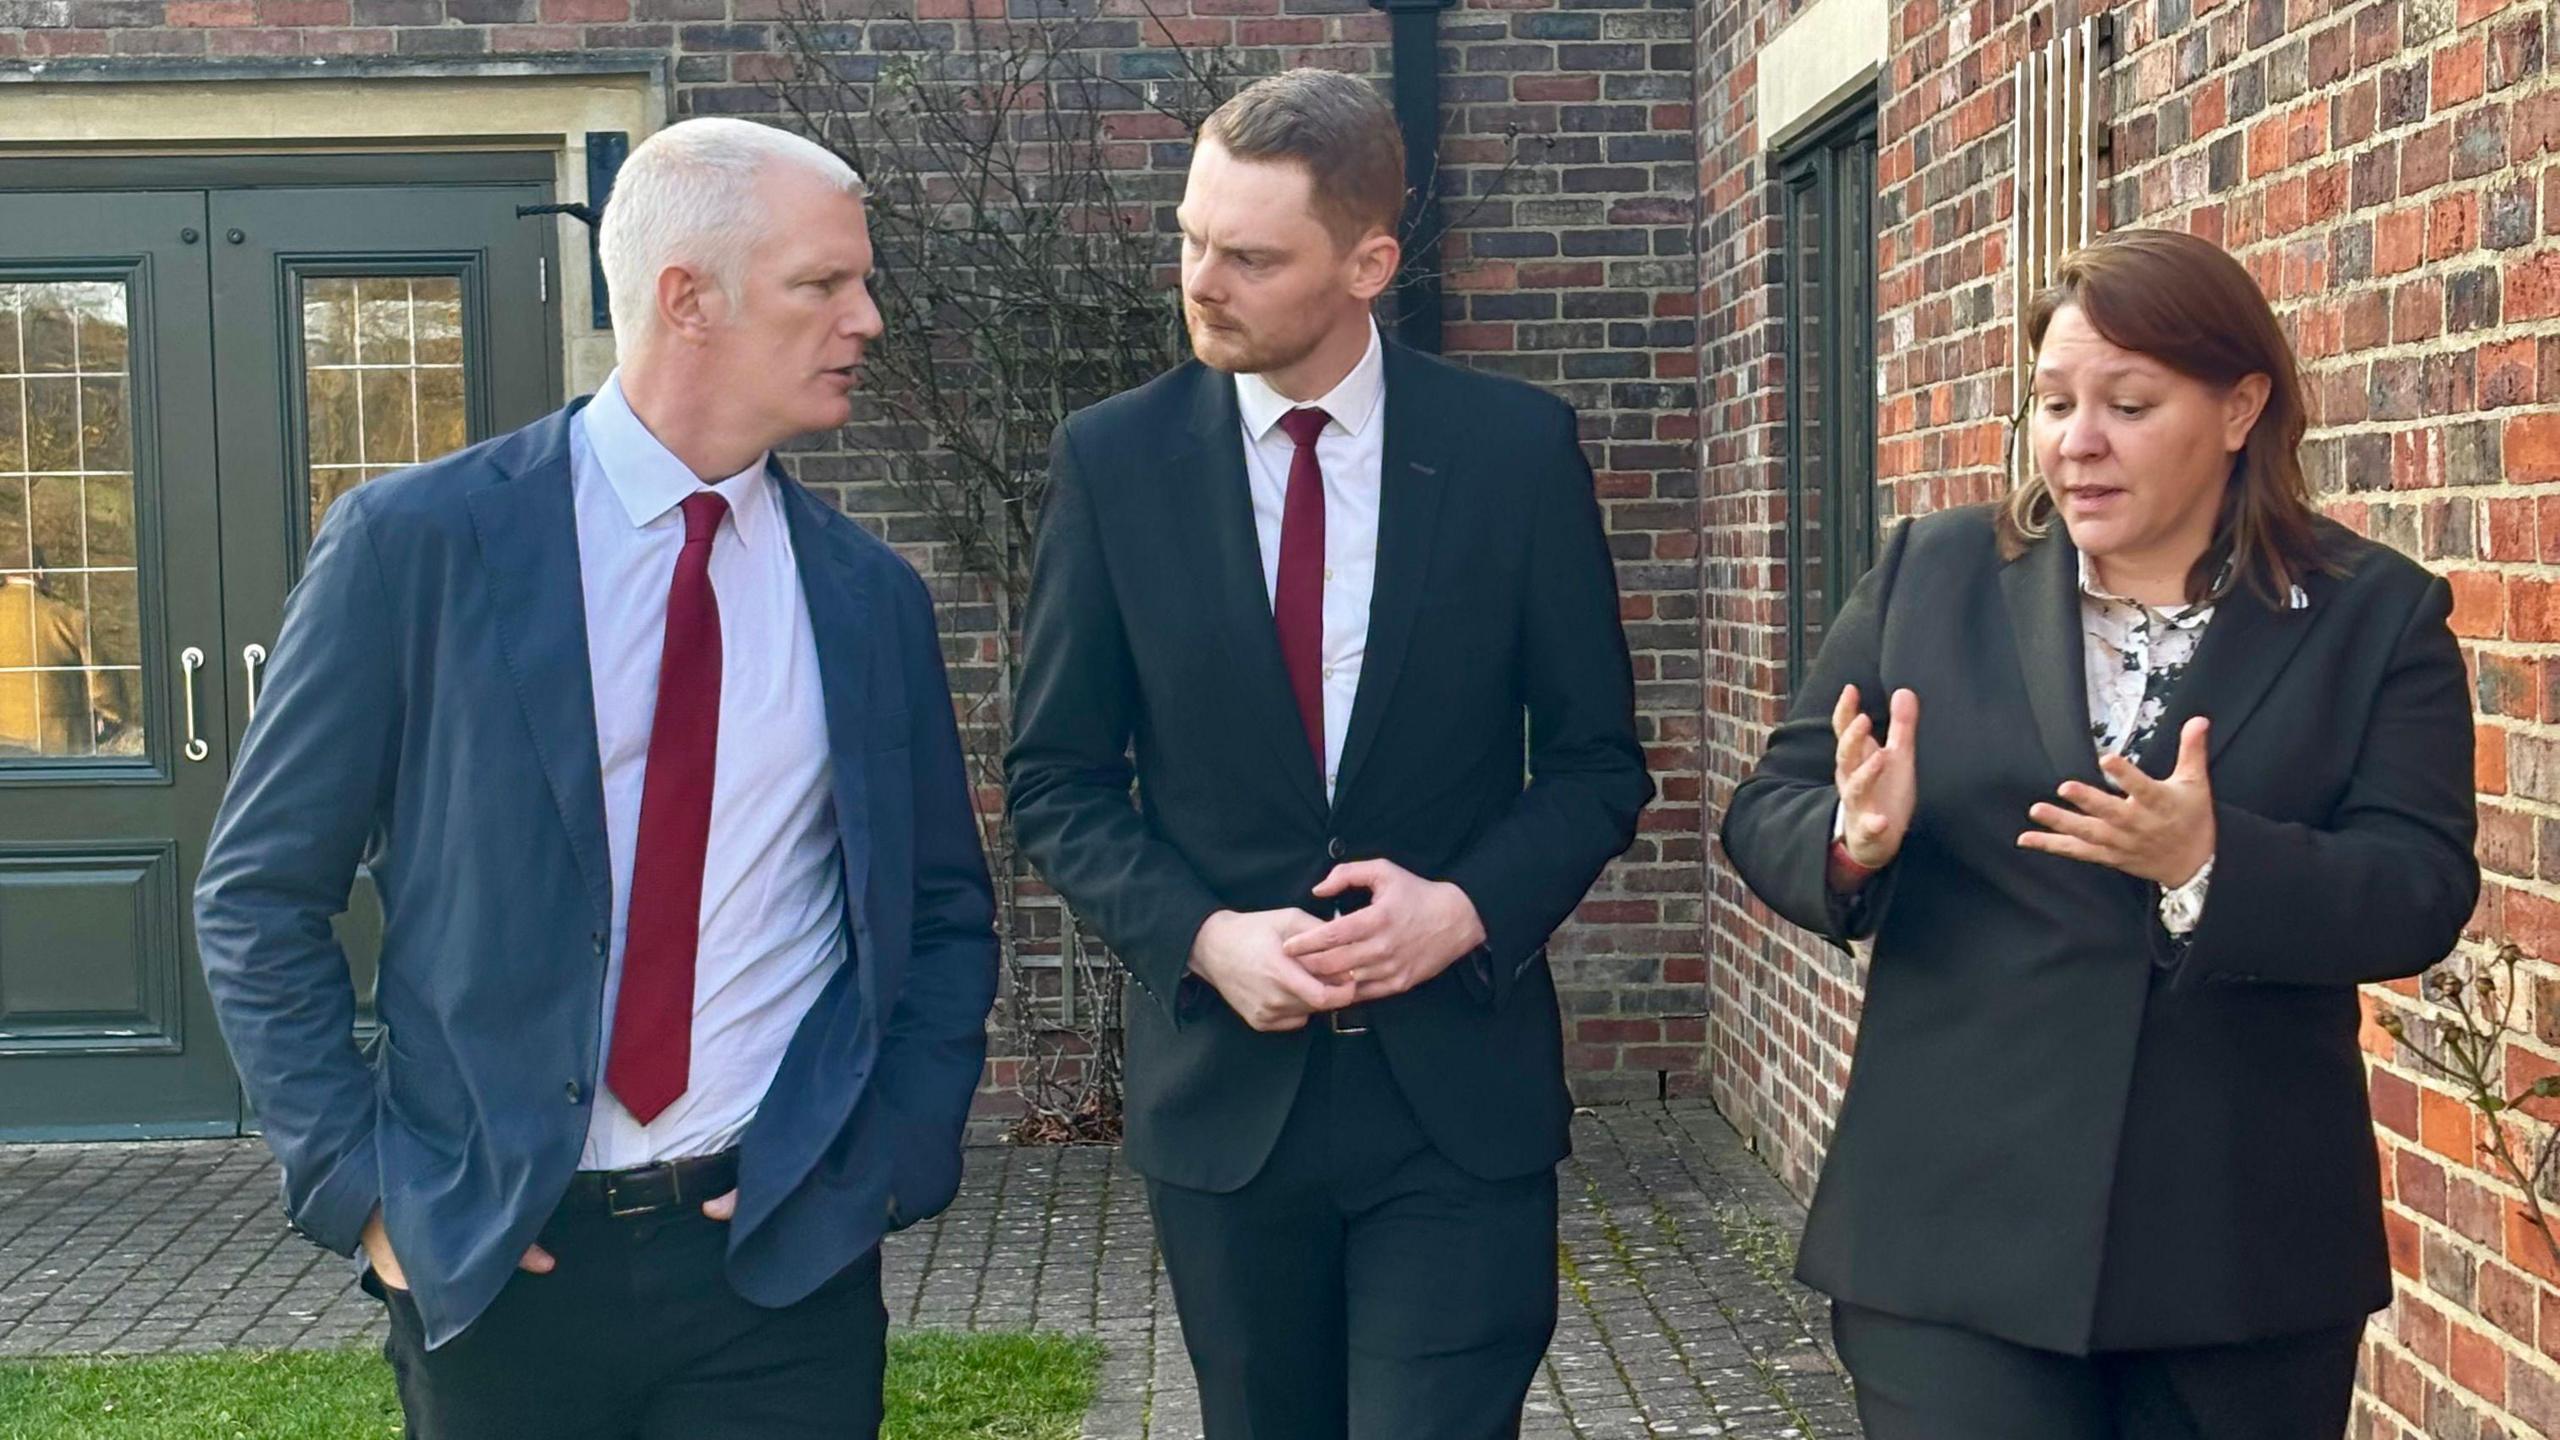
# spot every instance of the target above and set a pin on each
(648, 1189)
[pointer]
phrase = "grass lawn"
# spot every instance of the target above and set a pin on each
(942, 1386)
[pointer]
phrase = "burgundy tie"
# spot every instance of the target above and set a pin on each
(1297, 602)
(652, 1057)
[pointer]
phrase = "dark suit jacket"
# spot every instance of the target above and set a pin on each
(1149, 652)
(429, 712)
(2061, 1128)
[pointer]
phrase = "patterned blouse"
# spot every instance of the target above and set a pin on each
(2134, 655)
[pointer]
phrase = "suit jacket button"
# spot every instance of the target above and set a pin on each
(1334, 847)
(599, 942)
(576, 1092)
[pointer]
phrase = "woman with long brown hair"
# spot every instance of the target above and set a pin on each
(2196, 762)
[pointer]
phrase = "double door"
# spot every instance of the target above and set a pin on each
(193, 366)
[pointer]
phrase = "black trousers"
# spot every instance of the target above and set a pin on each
(636, 1335)
(1919, 1381)
(1361, 1287)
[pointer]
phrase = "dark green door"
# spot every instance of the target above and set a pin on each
(198, 370)
(363, 330)
(112, 737)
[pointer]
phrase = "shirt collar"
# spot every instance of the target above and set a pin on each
(650, 481)
(2185, 617)
(1350, 403)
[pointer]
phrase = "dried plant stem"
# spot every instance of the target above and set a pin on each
(2476, 1015)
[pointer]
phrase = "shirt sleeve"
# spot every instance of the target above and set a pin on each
(2182, 907)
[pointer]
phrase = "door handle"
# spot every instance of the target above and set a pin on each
(190, 661)
(253, 659)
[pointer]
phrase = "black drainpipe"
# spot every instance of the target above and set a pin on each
(1417, 94)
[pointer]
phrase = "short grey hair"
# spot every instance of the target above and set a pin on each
(687, 196)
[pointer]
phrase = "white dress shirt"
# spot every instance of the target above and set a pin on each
(1351, 449)
(772, 880)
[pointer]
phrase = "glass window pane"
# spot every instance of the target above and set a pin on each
(56, 525)
(98, 306)
(333, 427)
(1826, 287)
(50, 338)
(329, 322)
(383, 378)
(53, 423)
(70, 599)
(382, 322)
(13, 415)
(443, 420)
(439, 316)
(390, 412)
(1806, 368)
(105, 443)
(110, 523)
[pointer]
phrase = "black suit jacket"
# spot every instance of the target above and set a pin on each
(1150, 654)
(2061, 1128)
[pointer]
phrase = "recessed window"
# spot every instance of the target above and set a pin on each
(1826, 271)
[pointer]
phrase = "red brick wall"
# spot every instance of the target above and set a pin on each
(1567, 164)
(2386, 170)
(1779, 1007)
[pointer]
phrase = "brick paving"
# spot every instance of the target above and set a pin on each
(1678, 1318)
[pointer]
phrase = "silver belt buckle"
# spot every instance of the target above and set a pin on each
(1334, 1018)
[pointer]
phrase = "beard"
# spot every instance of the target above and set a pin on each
(1239, 351)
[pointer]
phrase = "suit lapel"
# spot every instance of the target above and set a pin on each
(833, 588)
(2245, 648)
(1413, 479)
(527, 526)
(1216, 499)
(2042, 590)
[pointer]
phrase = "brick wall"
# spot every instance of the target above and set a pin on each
(1567, 158)
(2386, 170)
(1779, 1007)
(2387, 173)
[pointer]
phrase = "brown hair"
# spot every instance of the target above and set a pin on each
(2185, 303)
(1338, 128)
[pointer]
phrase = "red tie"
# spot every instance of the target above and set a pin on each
(1297, 602)
(652, 1057)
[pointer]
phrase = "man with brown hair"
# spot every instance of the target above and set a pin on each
(1318, 594)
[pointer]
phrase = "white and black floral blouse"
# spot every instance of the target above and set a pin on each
(2135, 655)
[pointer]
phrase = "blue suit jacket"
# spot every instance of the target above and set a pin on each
(428, 713)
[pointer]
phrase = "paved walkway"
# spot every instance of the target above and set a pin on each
(1678, 1317)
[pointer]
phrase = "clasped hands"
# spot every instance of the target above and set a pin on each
(1277, 968)
(2157, 830)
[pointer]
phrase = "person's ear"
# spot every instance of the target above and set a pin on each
(689, 304)
(2241, 407)
(1373, 263)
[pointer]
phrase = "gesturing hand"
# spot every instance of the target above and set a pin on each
(2160, 830)
(1411, 930)
(1879, 784)
(1239, 954)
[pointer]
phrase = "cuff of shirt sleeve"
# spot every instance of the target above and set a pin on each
(2183, 907)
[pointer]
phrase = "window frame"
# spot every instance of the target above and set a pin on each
(1834, 163)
